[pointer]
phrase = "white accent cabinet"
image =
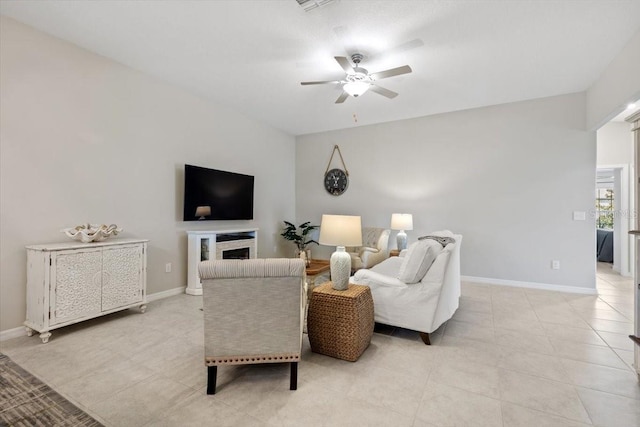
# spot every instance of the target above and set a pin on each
(71, 282)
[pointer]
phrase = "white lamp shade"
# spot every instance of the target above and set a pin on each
(400, 221)
(340, 230)
(356, 89)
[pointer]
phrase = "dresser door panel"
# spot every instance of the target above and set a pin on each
(121, 277)
(75, 285)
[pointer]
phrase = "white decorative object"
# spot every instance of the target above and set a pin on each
(70, 282)
(206, 245)
(87, 233)
(402, 222)
(340, 231)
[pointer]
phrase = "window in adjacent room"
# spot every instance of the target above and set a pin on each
(604, 208)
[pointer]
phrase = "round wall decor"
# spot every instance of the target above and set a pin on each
(336, 180)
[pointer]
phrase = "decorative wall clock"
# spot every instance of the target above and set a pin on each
(336, 180)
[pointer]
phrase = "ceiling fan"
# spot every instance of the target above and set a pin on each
(358, 80)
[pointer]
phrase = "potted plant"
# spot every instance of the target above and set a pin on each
(299, 235)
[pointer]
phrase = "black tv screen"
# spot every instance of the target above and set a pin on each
(211, 194)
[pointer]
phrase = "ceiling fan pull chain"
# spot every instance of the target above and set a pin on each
(335, 147)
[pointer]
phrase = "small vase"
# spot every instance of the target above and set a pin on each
(304, 254)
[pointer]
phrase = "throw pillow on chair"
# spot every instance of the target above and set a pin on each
(418, 259)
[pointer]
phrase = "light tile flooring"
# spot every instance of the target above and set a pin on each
(509, 357)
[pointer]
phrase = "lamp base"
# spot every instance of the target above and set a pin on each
(340, 265)
(401, 238)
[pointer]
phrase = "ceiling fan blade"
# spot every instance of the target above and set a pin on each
(343, 96)
(319, 83)
(384, 92)
(391, 72)
(345, 64)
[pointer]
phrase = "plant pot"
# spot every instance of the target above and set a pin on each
(304, 254)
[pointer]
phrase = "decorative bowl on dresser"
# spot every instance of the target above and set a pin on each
(71, 282)
(87, 233)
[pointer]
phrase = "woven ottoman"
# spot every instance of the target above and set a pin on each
(340, 323)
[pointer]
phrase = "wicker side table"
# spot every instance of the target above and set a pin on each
(340, 323)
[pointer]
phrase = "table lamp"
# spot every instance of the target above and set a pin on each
(402, 222)
(340, 231)
(203, 211)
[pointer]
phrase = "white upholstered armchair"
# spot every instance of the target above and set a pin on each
(420, 289)
(253, 313)
(374, 249)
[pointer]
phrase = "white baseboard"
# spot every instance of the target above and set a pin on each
(166, 294)
(531, 285)
(12, 333)
(21, 331)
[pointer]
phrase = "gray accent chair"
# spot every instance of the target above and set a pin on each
(374, 249)
(253, 313)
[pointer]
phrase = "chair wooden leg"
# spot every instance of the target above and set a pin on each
(212, 373)
(425, 338)
(294, 376)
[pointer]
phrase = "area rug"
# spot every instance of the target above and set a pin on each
(27, 401)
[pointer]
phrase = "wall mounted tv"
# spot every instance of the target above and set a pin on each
(211, 194)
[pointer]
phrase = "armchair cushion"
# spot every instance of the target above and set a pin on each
(418, 259)
(435, 274)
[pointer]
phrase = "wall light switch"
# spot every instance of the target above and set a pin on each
(579, 215)
(167, 267)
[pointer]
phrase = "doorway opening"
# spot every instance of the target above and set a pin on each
(612, 210)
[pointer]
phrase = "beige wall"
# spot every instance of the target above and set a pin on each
(83, 138)
(507, 177)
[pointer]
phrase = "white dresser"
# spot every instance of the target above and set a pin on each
(71, 282)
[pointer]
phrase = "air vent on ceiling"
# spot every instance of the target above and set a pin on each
(308, 5)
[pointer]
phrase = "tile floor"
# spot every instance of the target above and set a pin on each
(509, 357)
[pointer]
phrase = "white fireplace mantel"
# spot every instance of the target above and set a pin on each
(206, 245)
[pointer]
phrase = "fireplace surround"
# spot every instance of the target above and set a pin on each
(206, 245)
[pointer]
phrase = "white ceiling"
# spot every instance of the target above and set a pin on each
(252, 55)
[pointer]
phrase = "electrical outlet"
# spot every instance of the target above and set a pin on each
(555, 264)
(167, 267)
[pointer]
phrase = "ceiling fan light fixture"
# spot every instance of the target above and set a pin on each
(356, 89)
(358, 80)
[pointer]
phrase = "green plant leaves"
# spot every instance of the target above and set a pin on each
(298, 234)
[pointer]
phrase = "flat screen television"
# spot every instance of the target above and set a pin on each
(211, 194)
